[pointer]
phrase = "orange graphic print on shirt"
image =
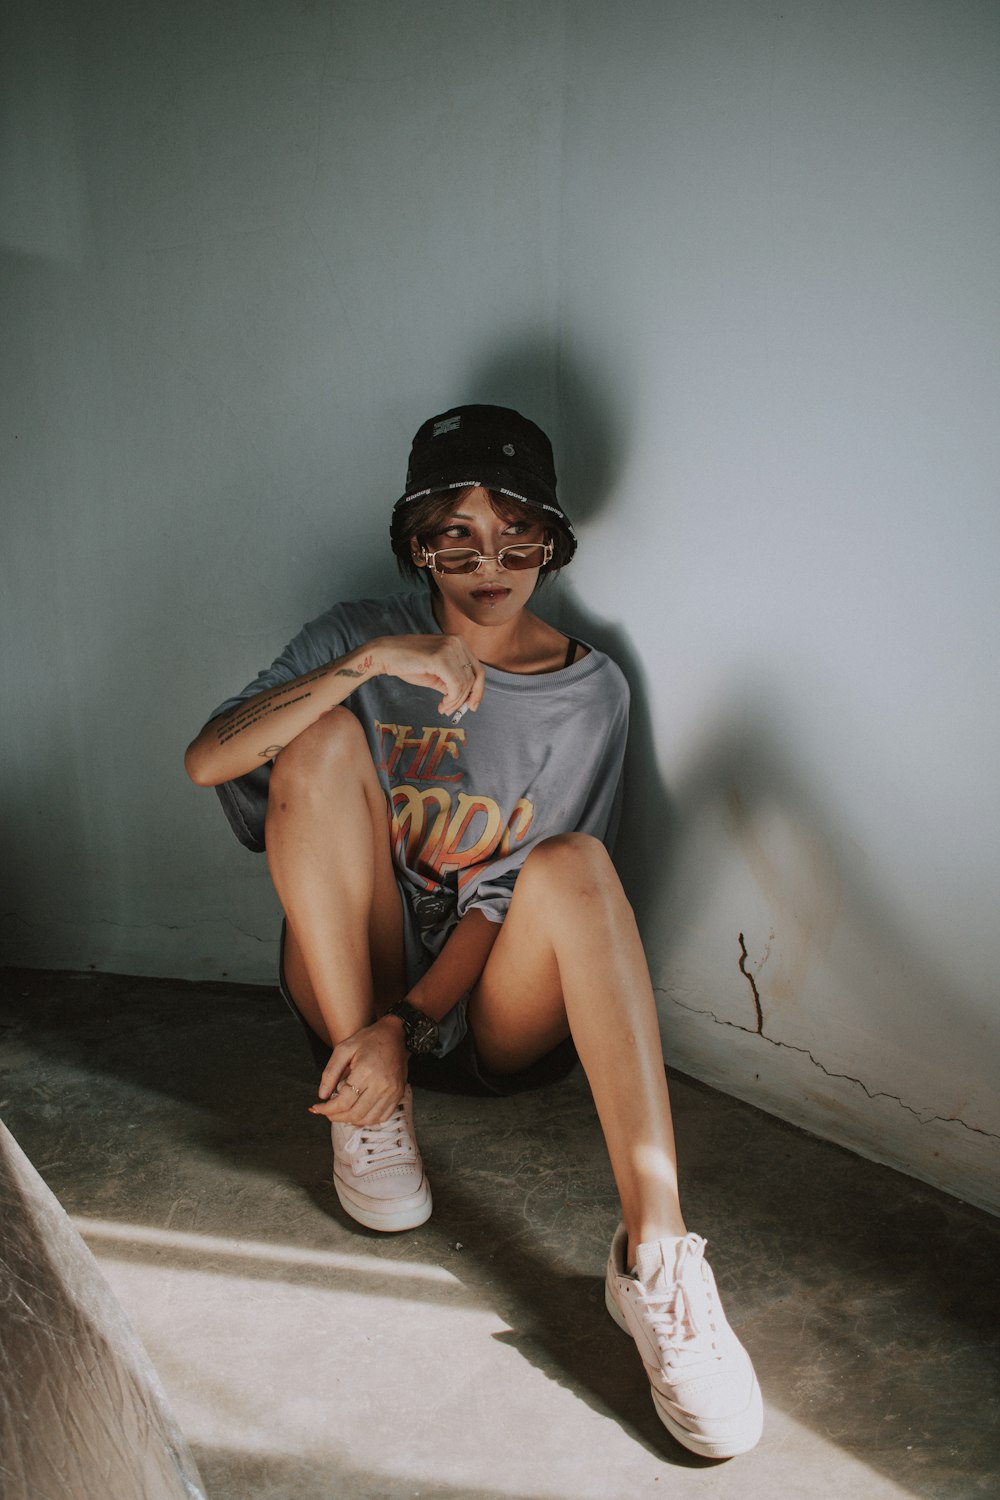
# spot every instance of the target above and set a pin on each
(436, 831)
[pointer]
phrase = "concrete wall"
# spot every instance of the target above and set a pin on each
(741, 261)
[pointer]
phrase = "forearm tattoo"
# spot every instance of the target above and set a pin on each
(240, 720)
(361, 671)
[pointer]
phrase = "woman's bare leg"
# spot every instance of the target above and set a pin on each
(329, 855)
(328, 849)
(569, 960)
(569, 954)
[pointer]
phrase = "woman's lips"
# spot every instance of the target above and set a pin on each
(490, 595)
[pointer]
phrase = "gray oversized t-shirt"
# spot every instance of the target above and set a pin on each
(468, 801)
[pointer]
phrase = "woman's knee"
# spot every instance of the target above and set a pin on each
(324, 750)
(571, 861)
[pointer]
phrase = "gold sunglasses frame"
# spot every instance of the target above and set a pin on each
(428, 558)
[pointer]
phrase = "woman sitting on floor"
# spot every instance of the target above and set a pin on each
(444, 770)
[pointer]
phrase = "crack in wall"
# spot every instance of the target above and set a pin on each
(753, 987)
(921, 1117)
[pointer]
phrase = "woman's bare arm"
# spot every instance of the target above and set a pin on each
(457, 967)
(375, 1056)
(255, 731)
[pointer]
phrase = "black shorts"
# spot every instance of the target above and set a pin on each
(458, 1071)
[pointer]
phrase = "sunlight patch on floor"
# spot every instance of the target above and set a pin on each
(346, 1365)
(102, 1234)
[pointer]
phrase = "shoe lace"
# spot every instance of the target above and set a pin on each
(680, 1315)
(386, 1143)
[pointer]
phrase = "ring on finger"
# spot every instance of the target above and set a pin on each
(353, 1086)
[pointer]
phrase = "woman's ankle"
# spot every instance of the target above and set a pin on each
(643, 1231)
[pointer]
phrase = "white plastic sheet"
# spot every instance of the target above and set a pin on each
(82, 1412)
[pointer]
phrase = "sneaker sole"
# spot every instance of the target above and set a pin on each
(744, 1438)
(402, 1213)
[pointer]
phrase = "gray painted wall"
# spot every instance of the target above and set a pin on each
(741, 262)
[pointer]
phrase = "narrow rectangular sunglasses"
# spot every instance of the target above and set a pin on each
(468, 560)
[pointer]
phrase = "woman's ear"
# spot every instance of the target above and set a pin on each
(417, 554)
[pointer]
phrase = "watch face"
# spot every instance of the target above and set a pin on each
(419, 1031)
(422, 1035)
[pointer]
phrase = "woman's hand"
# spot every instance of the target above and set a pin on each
(366, 1075)
(258, 728)
(443, 663)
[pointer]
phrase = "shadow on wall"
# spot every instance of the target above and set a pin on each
(591, 436)
(841, 975)
(841, 938)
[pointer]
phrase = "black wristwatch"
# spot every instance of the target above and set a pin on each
(420, 1033)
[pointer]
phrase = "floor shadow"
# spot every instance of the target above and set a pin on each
(233, 1475)
(869, 1301)
(559, 1323)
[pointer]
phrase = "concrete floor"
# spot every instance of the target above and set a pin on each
(306, 1358)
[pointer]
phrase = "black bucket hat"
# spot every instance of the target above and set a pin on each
(488, 447)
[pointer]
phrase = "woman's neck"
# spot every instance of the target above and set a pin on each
(523, 643)
(492, 644)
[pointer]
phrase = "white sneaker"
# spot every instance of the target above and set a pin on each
(703, 1384)
(378, 1173)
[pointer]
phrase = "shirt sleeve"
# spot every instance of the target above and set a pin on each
(244, 799)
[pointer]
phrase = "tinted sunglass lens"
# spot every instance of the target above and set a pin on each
(523, 557)
(461, 560)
